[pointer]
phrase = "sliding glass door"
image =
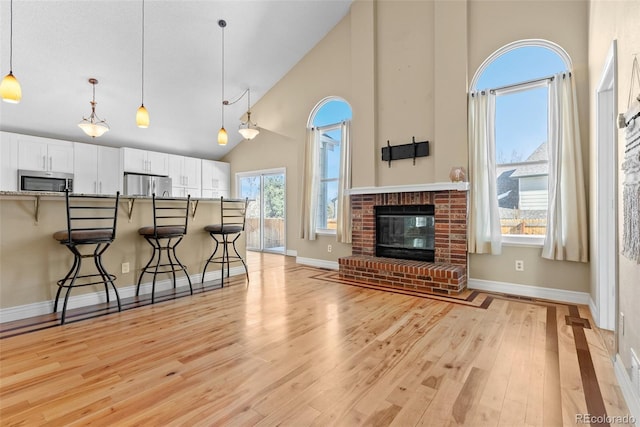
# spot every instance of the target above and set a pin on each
(265, 227)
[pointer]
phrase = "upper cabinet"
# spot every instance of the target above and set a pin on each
(216, 179)
(97, 169)
(147, 162)
(44, 154)
(185, 175)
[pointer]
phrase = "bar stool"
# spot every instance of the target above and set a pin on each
(232, 220)
(91, 220)
(170, 217)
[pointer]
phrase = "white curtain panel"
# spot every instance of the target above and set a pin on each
(566, 236)
(484, 217)
(343, 227)
(310, 186)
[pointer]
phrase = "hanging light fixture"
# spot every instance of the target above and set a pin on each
(222, 133)
(92, 125)
(247, 129)
(10, 87)
(142, 115)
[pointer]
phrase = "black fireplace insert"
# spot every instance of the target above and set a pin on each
(406, 232)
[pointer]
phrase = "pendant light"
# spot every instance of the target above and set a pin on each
(222, 133)
(142, 115)
(92, 125)
(10, 87)
(247, 129)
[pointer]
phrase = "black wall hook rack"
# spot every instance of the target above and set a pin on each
(405, 151)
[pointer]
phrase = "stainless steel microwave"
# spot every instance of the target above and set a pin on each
(44, 181)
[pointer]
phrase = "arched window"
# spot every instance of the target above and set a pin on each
(327, 147)
(519, 75)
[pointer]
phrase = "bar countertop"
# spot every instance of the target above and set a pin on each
(58, 194)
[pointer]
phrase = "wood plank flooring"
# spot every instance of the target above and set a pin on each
(299, 347)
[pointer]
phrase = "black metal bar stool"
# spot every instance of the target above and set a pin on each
(232, 221)
(91, 220)
(170, 217)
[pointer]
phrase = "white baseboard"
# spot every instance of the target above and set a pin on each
(320, 263)
(75, 301)
(631, 396)
(560, 295)
(292, 252)
(594, 311)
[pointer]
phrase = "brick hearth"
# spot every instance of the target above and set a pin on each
(448, 274)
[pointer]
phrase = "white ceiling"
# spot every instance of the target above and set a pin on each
(58, 45)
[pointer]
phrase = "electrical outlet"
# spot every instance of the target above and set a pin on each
(329, 248)
(125, 267)
(635, 370)
(519, 265)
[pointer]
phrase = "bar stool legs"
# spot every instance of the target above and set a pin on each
(172, 265)
(225, 259)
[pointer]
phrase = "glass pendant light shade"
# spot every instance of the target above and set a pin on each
(248, 132)
(223, 138)
(93, 129)
(10, 89)
(142, 117)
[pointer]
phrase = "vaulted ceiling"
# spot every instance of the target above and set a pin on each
(59, 45)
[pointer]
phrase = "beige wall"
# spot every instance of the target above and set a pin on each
(404, 66)
(617, 20)
(32, 261)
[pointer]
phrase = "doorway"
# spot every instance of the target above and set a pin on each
(266, 214)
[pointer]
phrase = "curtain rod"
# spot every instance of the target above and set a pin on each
(493, 90)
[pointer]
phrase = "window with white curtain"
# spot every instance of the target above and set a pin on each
(519, 76)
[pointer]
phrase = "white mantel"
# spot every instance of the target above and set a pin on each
(436, 186)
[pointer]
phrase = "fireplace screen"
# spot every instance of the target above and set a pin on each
(405, 232)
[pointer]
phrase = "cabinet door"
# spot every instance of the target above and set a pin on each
(158, 163)
(134, 160)
(85, 176)
(192, 172)
(8, 162)
(215, 175)
(60, 156)
(32, 153)
(210, 194)
(109, 179)
(176, 166)
(193, 192)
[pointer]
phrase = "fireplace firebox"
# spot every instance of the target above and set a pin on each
(406, 232)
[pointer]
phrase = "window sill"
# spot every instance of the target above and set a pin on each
(524, 241)
(324, 232)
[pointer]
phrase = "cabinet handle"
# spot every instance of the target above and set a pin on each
(100, 187)
(50, 163)
(95, 187)
(44, 163)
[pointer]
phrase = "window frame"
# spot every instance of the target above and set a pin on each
(526, 239)
(322, 179)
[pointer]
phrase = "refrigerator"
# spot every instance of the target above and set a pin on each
(146, 185)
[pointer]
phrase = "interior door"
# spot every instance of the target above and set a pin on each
(266, 219)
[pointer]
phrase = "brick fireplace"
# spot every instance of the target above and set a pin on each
(446, 275)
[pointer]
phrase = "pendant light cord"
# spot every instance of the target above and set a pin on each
(11, 38)
(222, 24)
(142, 85)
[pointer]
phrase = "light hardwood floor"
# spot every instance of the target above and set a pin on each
(298, 346)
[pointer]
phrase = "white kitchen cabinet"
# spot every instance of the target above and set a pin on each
(97, 169)
(216, 180)
(43, 154)
(185, 173)
(8, 162)
(143, 161)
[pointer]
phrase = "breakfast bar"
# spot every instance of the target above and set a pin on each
(32, 261)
